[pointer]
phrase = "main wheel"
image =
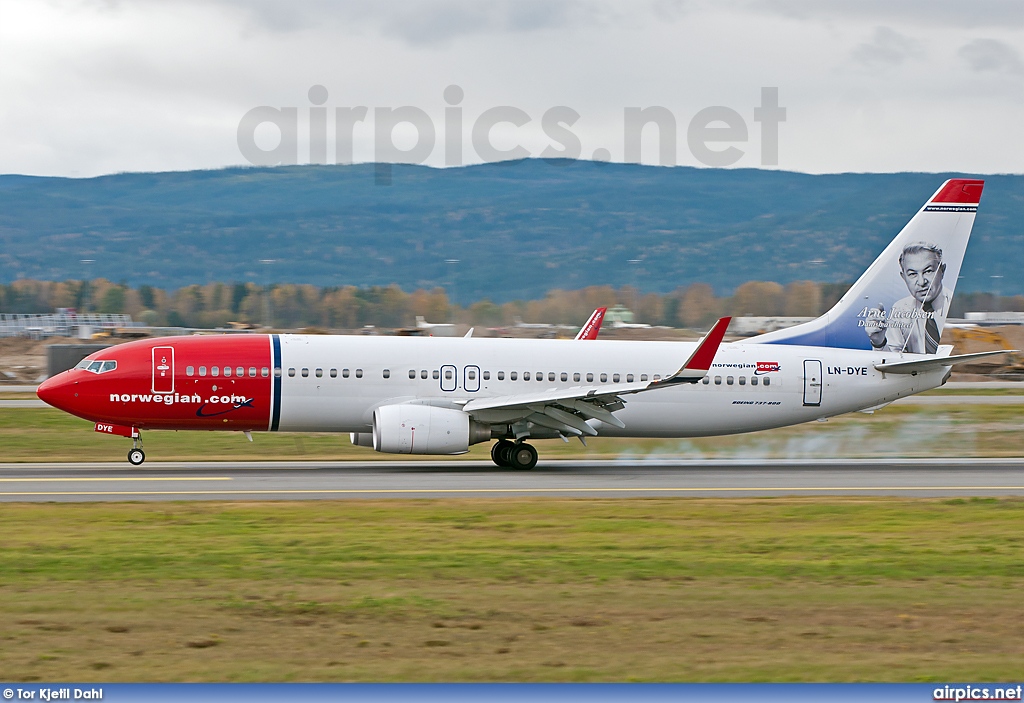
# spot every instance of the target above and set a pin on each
(136, 457)
(499, 451)
(522, 456)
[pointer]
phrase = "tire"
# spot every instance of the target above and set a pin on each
(522, 457)
(136, 457)
(498, 453)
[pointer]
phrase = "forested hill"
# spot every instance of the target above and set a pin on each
(517, 229)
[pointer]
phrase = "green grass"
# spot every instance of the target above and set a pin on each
(530, 590)
(44, 434)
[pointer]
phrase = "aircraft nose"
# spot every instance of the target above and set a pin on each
(57, 391)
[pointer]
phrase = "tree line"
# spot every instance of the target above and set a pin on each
(351, 307)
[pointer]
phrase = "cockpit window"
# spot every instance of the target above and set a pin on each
(96, 366)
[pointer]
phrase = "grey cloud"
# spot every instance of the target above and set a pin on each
(422, 22)
(951, 13)
(887, 48)
(991, 55)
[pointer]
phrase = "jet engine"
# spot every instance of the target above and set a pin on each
(424, 429)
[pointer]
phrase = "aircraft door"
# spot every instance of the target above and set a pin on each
(812, 382)
(449, 378)
(471, 380)
(163, 369)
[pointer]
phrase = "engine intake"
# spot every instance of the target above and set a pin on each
(424, 429)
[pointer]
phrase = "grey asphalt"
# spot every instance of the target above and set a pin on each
(472, 480)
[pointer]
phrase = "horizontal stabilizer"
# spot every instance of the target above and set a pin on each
(936, 362)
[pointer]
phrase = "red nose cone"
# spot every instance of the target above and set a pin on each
(57, 391)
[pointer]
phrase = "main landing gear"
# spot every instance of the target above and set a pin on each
(135, 455)
(514, 455)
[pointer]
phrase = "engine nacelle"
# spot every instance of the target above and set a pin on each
(424, 429)
(361, 439)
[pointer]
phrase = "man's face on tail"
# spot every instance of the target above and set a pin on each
(922, 272)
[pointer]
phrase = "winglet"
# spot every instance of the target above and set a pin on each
(697, 366)
(593, 325)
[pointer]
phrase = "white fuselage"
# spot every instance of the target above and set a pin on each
(750, 386)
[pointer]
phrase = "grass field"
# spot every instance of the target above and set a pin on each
(525, 590)
(910, 431)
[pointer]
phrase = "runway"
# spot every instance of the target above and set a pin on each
(238, 481)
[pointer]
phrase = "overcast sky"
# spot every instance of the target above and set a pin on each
(95, 87)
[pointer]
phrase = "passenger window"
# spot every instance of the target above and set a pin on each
(423, 374)
(277, 372)
(412, 373)
(305, 373)
(448, 374)
(643, 377)
(615, 378)
(551, 376)
(718, 380)
(753, 380)
(190, 370)
(359, 373)
(564, 376)
(743, 380)
(604, 378)
(590, 378)
(202, 370)
(215, 371)
(252, 372)
(472, 375)
(344, 373)
(227, 371)
(657, 377)
(514, 375)
(767, 381)
(264, 372)
(629, 378)
(239, 371)
(729, 380)
(540, 376)
(526, 375)
(334, 373)
(319, 373)
(576, 377)
(501, 375)
(291, 373)
(706, 380)
(436, 374)
(487, 375)
(387, 373)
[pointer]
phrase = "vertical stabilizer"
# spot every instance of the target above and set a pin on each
(901, 302)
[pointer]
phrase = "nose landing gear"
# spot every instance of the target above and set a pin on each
(514, 455)
(135, 455)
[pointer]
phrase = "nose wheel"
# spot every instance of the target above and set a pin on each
(135, 455)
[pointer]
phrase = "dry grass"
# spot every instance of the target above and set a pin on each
(524, 590)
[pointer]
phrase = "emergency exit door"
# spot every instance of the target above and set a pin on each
(812, 382)
(163, 369)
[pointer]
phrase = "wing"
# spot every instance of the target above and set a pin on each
(566, 410)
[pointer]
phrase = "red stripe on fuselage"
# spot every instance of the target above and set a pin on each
(198, 402)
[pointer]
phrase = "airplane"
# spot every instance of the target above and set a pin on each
(437, 395)
(592, 326)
